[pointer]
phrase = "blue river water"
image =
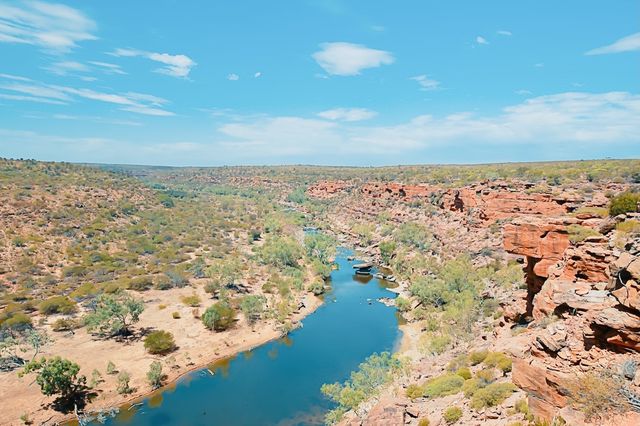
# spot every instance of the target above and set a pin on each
(279, 382)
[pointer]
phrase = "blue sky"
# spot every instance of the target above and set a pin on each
(319, 81)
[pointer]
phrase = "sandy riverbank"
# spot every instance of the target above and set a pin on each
(197, 348)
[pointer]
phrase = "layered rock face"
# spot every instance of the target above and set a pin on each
(588, 289)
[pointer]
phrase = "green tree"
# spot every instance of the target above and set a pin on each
(219, 316)
(114, 314)
(57, 376)
(320, 246)
(252, 307)
(387, 250)
(281, 252)
(375, 371)
(154, 375)
(226, 271)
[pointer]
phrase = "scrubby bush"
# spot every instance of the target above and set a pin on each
(452, 415)
(472, 385)
(498, 360)
(477, 357)
(66, 324)
(159, 342)
(447, 384)
(192, 301)
(629, 227)
(579, 233)
(491, 395)
(123, 383)
(464, 372)
(141, 283)
(414, 391)
(627, 202)
(219, 316)
(596, 394)
(57, 305)
(403, 304)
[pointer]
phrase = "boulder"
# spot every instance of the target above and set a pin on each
(541, 384)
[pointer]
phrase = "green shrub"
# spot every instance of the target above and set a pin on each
(458, 362)
(193, 300)
(578, 233)
(176, 315)
(629, 227)
(57, 305)
(498, 360)
(111, 368)
(154, 375)
(464, 372)
(447, 384)
(66, 324)
(477, 357)
(141, 283)
(627, 202)
(452, 415)
(219, 317)
(414, 391)
(123, 383)
(492, 395)
(522, 406)
(472, 385)
(15, 321)
(424, 422)
(159, 342)
(403, 304)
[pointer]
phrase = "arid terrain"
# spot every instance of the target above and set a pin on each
(518, 283)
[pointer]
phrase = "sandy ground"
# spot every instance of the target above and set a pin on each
(197, 347)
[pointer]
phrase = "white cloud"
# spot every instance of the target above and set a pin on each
(481, 40)
(349, 59)
(505, 33)
(139, 103)
(174, 65)
(65, 67)
(233, 77)
(348, 114)
(565, 119)
(257, 75)
(51, 26)
(108, 68)
(625, 44)
(523, 92)
(426, 83)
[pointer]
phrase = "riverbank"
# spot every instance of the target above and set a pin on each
(197, 348)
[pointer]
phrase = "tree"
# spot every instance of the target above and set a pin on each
(226, 271)
(320, 246)
(57, 376)
(154, 375)
(114, 314)
(281, 252)
(252, 307)
(219, 317)
(387, 250)
(123, 383)
(375, 371)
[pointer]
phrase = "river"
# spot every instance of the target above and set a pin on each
(279, 382)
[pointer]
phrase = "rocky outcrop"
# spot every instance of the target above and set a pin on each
(397, 191)
(327, 188)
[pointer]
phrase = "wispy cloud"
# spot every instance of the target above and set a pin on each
(233, 77)
(504, 33)
(257, 75)
(46, 93)
(108, 68)
(523, 92)
(66, 67)
(51, 26)
(348, 114)
(349, 59)
(481, 40)
(625, 44)
(426, 83)
(174, 65)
